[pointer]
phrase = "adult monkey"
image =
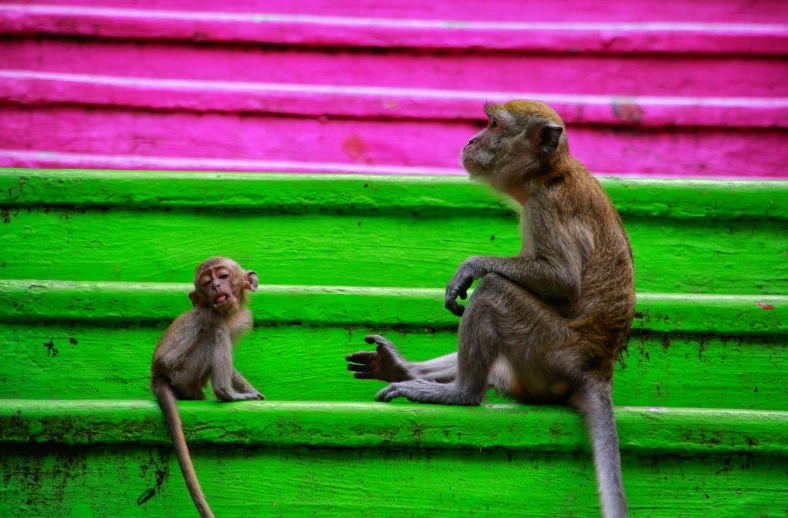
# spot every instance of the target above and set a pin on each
(547, 325)
(197, 347)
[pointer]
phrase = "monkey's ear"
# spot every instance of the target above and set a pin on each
(250, 281)
(195, 298)
(549, 138)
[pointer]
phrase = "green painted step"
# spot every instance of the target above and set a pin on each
(333, 459)
(95, 264)
(687, 236)
(80, 340)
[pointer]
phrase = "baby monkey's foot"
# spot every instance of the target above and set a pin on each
(249, 396)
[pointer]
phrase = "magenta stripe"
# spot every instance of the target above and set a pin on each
(393, 142)
(40, 88)
(600, 74)
(283, 29)
(742, 11)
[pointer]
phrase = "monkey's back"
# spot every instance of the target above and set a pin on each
(178, 337)
(603, 313)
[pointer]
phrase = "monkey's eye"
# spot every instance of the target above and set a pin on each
(206, 283)
(224, 275)
(493, 122)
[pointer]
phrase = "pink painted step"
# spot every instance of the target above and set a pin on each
(311, 30)
(596, 74)
(318, 97)
(36, 89)
(702, 11)
(415, 144)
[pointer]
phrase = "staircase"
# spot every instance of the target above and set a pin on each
(103, 105)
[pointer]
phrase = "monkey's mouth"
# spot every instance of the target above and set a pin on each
(220, 301)
(473, 167)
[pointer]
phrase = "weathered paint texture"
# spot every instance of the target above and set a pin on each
(314, 86)
(687, 237)
(133, 480)
(685, 351)
(93, 265)
(101, 262)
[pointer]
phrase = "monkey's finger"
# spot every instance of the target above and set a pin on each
(364, 376)
(377, 339)
(365, 367)
(387, 394)
(463, 294)
(456, 309)
(361, 357)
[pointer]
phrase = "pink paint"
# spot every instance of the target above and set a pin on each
(706, 11)
(311, 30)
(40, 88)
(422, 143)
(42, 159)
(765, 306)
(595, 74)
(669, 88)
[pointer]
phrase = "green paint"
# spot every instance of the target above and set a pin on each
(30, 300)
(691, 237)
(674, 370)
(642, 430)
(248, 481)
(358, 194)
(100, 262)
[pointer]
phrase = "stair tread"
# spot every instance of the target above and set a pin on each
(311, 30)
(648, 430)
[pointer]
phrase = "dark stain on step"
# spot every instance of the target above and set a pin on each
(51, 350)
(147, 495)
(161, 477)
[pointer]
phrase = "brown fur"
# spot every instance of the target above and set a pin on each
(197, 347)
(544, 326)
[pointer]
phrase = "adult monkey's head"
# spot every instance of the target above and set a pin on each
(521, 139)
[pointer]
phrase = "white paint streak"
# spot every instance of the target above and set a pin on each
(373, 91)
(382, 23)
(24, 158)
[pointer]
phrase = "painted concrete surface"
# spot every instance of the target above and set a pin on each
(100, 259)
(686, 90)
(101, 264)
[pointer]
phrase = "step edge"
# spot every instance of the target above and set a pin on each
(288, 193)
(701, 38)
(642, 430)
(105, 303)
(40, 89)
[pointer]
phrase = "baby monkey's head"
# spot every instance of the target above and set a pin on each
(220, 283)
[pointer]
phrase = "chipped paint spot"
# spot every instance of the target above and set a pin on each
(765, 306)
(627, 111)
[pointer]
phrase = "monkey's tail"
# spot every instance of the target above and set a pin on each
(595, 403)
(168, 403)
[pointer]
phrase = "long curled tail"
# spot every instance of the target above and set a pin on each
(596, 405)
(169, 406)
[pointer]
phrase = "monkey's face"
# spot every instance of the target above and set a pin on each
(479, 155)
(520, 137)
(219, 288)
(220, 284)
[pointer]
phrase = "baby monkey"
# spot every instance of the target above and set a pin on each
(197, 347)
(544, 326)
